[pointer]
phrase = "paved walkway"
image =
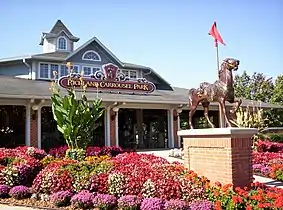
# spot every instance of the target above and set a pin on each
(6, 207)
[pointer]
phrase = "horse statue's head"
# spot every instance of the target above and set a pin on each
(231, 64)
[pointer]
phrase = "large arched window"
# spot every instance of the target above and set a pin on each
(62, 43)
(91, 55)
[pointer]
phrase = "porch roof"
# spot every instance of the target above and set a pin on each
(17, 88)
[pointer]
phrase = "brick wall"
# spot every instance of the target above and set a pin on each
(224, 158)
(175, 128)
(112, 128)
(33, 130)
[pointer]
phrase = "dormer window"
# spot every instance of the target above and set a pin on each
(91, 55)
(62, 43)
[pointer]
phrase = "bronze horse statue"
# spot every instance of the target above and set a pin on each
(220, 91)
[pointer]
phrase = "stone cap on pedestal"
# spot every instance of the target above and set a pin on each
(217, 131)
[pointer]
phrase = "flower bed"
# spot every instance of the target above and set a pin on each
(126, 174)
(268, 160)
(90, 151)
(129, 181)
(20, 166)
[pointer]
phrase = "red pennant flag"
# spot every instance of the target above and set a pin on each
(215, 34)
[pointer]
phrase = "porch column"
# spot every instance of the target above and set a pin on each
(39, 127)
(117, 128)
(179, 128)
(113, 126)
(170, 118)
(107, 126)
(178, 141)
(33, 128)
(27, 142)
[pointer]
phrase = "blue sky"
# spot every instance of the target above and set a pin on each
(169, 36)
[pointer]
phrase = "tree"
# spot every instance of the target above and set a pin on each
(276, 115)
(242, 86)
(76, 118)
(277, 96)
(257, 87)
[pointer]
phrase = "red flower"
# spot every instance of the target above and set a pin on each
(217, 205)
(237, 199)
(278, 203)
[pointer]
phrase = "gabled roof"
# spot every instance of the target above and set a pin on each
(58, 27)
(94, 39)
(123, 64)
(56, 30)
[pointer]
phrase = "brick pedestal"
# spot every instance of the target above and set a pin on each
(220, 154)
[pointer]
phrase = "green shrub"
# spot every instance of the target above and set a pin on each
(275, 137)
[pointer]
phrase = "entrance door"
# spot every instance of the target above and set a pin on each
(127, 129)
(156, 128)
(12, 126)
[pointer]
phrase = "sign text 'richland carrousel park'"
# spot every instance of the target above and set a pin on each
(110, 78)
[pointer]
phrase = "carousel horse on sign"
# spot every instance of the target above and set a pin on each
(220, 91)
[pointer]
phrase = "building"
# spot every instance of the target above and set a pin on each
(143, 111)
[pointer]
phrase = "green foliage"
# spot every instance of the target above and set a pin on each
(7, 161)
(275, 137)
(277, 96)
(275, 117)
(85, 168)
(242, 86)
(258, 87)
(76, 154)
(76, 117)
(203, 123)
(251, 117)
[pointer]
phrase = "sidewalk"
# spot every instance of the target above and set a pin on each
(6, 207)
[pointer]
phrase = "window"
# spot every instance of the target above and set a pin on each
(95, 69)
(62, 43)
(126, 73)
(76, 69)
(53, 68)
(130, 73)
(133, 74)
(87, 70)
(90, 70)
(91, 55)
(63, 70)
(44, 71)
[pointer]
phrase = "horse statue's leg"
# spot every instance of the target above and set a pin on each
(223, 109)
(191, 113)
(194, 102)
(238, 103)
(206, 109)
(232, 119)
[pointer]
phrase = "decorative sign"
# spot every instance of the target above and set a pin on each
(110, 78)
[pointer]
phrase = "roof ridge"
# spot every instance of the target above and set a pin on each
(60, 24)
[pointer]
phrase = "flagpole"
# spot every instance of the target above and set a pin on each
(217, 38)
(221, 120)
